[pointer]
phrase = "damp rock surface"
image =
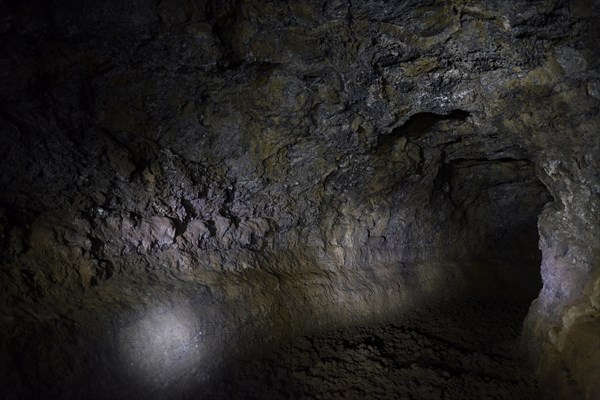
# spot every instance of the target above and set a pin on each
(463, 350)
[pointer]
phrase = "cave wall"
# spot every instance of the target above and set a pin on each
(233, 173)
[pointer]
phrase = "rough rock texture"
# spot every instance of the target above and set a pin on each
(186, 181)
(442, 351)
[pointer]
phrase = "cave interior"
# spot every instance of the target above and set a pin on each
(302, 199)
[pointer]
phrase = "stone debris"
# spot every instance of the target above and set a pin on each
(461, 351)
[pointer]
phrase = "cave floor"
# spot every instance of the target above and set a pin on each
(451, 351)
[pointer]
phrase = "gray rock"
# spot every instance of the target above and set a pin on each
(265, 170)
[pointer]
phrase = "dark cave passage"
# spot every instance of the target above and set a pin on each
(299, 199)
(498, 202)
(467, 346)
(484, 204)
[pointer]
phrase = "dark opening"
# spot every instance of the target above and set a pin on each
(497, 203)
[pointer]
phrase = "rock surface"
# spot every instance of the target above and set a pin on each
(457, 351)
(212, 177)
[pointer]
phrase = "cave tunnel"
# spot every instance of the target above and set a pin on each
(299, 199)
